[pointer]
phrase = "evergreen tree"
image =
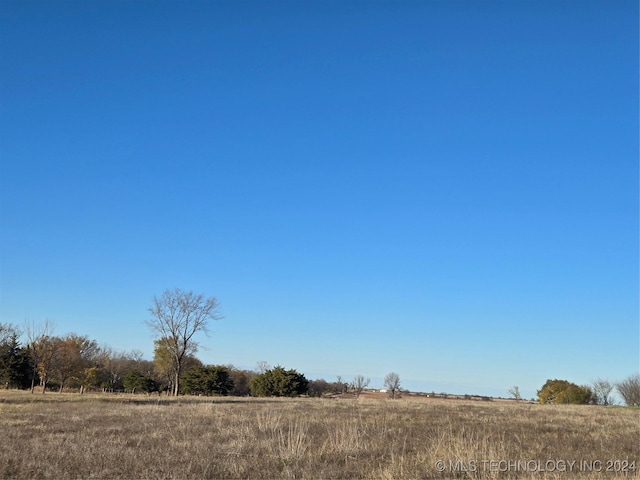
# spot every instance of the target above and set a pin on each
(135, 381)
(562, 392)
(15, 365)
(210, 380)
(278, 382)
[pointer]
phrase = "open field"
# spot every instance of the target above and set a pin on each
(125, 436)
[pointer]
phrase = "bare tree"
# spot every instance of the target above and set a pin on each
(112, 363)
(359, 384)
(262, 366)
(135, 355)
(341, 385)
(515, 393)
(177, 317)
(602, 391)
(41, 348)
(8, 332)
(392, 384)
(629, 390)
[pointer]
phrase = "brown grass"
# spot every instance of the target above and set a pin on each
(107, 436)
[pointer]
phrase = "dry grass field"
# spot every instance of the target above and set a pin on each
(122, 436)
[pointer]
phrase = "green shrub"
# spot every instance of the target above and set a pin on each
(563, 392)
(134, 380)
(209, 380)
(278, 382)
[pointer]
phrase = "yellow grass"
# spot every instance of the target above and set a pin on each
(124, 436)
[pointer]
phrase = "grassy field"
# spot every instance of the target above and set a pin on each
(124, 436)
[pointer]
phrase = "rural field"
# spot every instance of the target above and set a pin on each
(124, 436)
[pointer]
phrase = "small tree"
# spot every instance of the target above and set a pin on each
(392, 384)
(177, 316)
(359, 383)
(341, 385)
(278, 382)
(629, 390)
(241, 380)
(114, 365)
(262, 366)
(14, 360)
(515, 393)
(163, 363)
(134, 380)
(602, 391)
(88, 377)
(318, 387)
(563, 391)
(40, 344)
(74, 354)
(210, 380)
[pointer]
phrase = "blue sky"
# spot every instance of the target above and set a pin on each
(444, 189)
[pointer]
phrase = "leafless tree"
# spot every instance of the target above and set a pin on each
(177, 316)
(601, 389)
(262, 366)
(135, 355)
(41, 345)
(359, 384)
(113, 364)
(8, 332)
(392, 384)
(629, 390)
(341, 385)
(515, 393)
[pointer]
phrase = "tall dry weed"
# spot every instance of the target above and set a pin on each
(104, 436)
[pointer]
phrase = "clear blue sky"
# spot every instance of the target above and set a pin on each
(444, 189)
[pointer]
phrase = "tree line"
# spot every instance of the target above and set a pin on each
(176, 318)
(50, 363)
(47, 362)
(599, 392)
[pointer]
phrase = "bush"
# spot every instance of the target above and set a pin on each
(564, 392)
(629, 390)
(209, 380)
(134, 380)
(278, 382)
(320, 387)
